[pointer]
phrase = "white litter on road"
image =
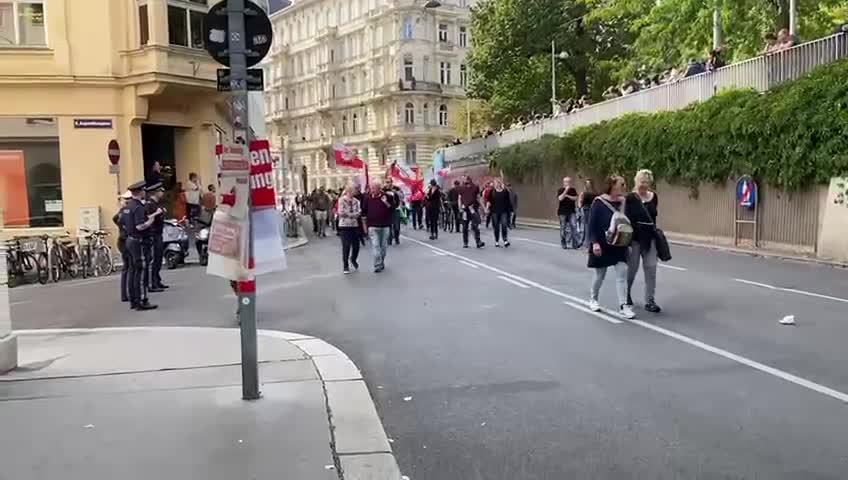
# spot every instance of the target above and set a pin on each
(329, 467)
(406, 399)
(483, 424)
(89, 426)
(788, 320)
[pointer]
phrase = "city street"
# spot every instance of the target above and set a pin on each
(487, 365)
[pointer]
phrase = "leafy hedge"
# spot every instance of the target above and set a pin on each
(793, 136)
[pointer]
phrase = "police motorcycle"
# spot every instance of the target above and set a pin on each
(174, 243)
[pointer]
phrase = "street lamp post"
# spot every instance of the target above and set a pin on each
(793, 17)
(554, 55)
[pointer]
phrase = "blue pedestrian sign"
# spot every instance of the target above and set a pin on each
(746, 192)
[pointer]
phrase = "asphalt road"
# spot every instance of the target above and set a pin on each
(485, 365)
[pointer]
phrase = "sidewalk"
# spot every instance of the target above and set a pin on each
(165, 403)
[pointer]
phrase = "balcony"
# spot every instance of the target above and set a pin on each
(170, 65)
(412, 86)
(761, 73)
(446, 46)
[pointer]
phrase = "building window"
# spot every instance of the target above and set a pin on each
(463, 37)
(426, 114)
(443, 32)
(463, 3)
(411, 154)
(408, 72)
(355, 125)
(443, 115)
(30, 174)
(410, 114)
(344, 86)
(445, 73)
(463, 75)
(185, 22)
(143, 25)
(22, 22)
(407, 31)
(344, 124)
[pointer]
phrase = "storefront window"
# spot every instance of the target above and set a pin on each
(22, 23)
(30, 173)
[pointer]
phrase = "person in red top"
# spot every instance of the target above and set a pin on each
(487, 192)
(469, 204)
(416, 202)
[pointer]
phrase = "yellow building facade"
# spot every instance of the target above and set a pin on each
(77, 74)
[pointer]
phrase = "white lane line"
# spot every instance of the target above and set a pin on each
(467, 264)
(21, 302)
(517, 278)
(548, 244)
(509, 280)
(590, 312)
(671, 267)
(791, 290)
(440, 254)
(691, 341)
(746, 361)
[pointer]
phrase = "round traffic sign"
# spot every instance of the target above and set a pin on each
(257, 33)
(114, 152)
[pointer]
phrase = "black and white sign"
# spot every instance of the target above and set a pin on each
(257, 27)
(92, 123)
(255, 80)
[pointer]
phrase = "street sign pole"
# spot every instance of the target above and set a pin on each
(246, 288)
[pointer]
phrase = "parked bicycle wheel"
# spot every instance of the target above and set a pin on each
(103, 264)
(42, 268)
(84, 261)
(74, 265)
(55, 264)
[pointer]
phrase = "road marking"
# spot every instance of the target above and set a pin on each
(548, 244)
(21, 302)
(509, 280)
(468, 264)
(440, 254)
(595, 314)
(816, 387)
(746, 361)
(671, 267)
(791, 290)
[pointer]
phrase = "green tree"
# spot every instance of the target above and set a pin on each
(481, 116)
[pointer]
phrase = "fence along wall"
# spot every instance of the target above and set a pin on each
(788, 222)
(761, 74)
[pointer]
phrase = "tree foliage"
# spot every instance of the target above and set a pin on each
(792, 136)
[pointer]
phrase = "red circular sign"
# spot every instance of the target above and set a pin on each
(114, 151)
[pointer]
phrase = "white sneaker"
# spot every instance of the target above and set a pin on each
(627, 311)
(594, 305)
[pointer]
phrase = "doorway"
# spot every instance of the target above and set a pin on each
(157, 144)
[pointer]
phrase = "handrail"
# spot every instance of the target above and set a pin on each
(760, 73)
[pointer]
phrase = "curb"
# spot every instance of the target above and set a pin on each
(720, 248)
(360, 448)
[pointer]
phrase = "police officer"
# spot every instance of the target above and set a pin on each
(119, 219)
(155, 192)
(136, 222)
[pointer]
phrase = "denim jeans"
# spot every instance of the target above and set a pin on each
(321, 218)
(620, 282)
(500, 221)
(648, 258)
(350, 245)
(470, 221)
(379, 243)
(567, 231)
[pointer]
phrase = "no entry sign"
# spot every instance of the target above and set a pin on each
(114, 152)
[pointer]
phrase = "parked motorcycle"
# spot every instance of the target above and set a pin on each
(175, 243)
(201, 241)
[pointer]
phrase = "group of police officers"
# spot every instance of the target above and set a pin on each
(141, 220)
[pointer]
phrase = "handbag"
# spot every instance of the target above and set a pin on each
(660, 242)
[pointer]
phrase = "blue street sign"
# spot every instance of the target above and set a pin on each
(746, 192)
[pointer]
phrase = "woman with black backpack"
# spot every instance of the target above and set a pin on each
(609, 234)
(641, 209)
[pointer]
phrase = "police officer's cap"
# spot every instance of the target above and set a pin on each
(154, 187)
(137, 186)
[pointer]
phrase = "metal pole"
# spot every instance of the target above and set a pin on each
(467, 119)
(247, 288)
(717, 25)
(793, 17)
(553, 71)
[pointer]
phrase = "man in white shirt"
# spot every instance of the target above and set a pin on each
(193, 196)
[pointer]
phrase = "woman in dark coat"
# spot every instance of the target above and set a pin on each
(602, 255)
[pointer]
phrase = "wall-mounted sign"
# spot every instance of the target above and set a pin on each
(53, 206)
(255, 81)
(92, 123)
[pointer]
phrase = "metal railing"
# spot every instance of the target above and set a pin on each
(761, 73)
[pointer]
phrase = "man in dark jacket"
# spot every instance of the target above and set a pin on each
(469, 202)
(378, 208)
(453, 200)
(433, 203)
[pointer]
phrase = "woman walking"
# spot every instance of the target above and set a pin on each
(607, 235)
(641, 209)
(585, 204)
(349, 213)
(499, 206)
(433, 202)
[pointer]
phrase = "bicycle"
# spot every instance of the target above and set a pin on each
(95, 254)
(21, 259)
(64, 258)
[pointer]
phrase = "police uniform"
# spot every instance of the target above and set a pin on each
(119, 219)
(134, 218)
(156, 249)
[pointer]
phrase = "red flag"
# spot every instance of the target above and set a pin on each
(346, 157)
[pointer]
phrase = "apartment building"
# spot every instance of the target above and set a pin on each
(379, 76)
(77, 74)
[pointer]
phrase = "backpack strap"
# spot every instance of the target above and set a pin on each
(609, 205)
